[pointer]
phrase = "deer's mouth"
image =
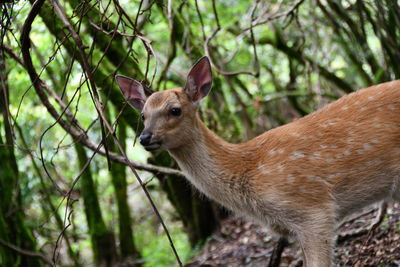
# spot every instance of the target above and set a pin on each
(152, 146)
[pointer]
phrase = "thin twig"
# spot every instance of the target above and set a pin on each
(88, 71)
(26, 252)
(172, 44)
(39, 84)
(253, 41)
(40, 87)
(277, 16)
(208, 54)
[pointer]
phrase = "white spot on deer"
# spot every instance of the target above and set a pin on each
(262, 169)
(333, 146)
(329, 160)
(363, 108)
(294, 134)
(280, 168)
(290, 178)
(317, 154)
(370, 97)
(323, 146)
(349, 140)
(380, 109)
(391, 107)
(296, 155)
(319, 179)
(374, 140)
(331, 122)
(271, 152)
(265, 171)
(320, 134)
(346, 152)
(357, 102)
(315, 178)
(281, 150)
(310, 177)
(367, 146)
(345, 108)
(333, 175)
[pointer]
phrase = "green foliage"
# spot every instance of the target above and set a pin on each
(304, 60)
(153, 244)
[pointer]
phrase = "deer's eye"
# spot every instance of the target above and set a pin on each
(142, 116)
(175, 111)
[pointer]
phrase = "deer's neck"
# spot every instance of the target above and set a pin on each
(217, 168)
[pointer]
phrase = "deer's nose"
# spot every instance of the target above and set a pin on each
(145, 138)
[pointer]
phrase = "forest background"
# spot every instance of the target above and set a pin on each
(70, 166)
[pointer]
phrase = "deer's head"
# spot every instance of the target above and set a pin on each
(169, 116)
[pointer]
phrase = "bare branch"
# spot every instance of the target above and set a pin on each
(89, 73)
(289, 12)
(26, 252)
(39, 85)
(208, 54)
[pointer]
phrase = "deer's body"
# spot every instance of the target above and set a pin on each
(300, 179)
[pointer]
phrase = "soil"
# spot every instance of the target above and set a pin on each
(242, 243)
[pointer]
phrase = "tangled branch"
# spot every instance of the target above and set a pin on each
(40, 84)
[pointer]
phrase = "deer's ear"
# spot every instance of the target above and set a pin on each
(133, 91)
(199, 80)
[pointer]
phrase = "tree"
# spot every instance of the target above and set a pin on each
(273, 62)
(16, 238)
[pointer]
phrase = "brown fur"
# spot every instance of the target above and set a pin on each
(301, 178)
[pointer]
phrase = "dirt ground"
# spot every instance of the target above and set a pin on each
(242, 243)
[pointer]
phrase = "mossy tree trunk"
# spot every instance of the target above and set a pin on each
(13, 229)
(103, 241)
(130, 256)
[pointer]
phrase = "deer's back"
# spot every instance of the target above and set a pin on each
(348, 152)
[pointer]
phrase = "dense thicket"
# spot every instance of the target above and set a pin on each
(68, 193)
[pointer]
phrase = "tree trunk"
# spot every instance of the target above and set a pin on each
(129, 253)
(103, 242)
(12, 218)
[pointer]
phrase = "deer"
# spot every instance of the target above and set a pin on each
(300, 179)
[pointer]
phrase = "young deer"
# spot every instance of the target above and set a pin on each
(299, 179)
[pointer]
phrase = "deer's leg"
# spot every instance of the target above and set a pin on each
(316, 239)
(396, 189)
(276, 255)
(317, 250)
